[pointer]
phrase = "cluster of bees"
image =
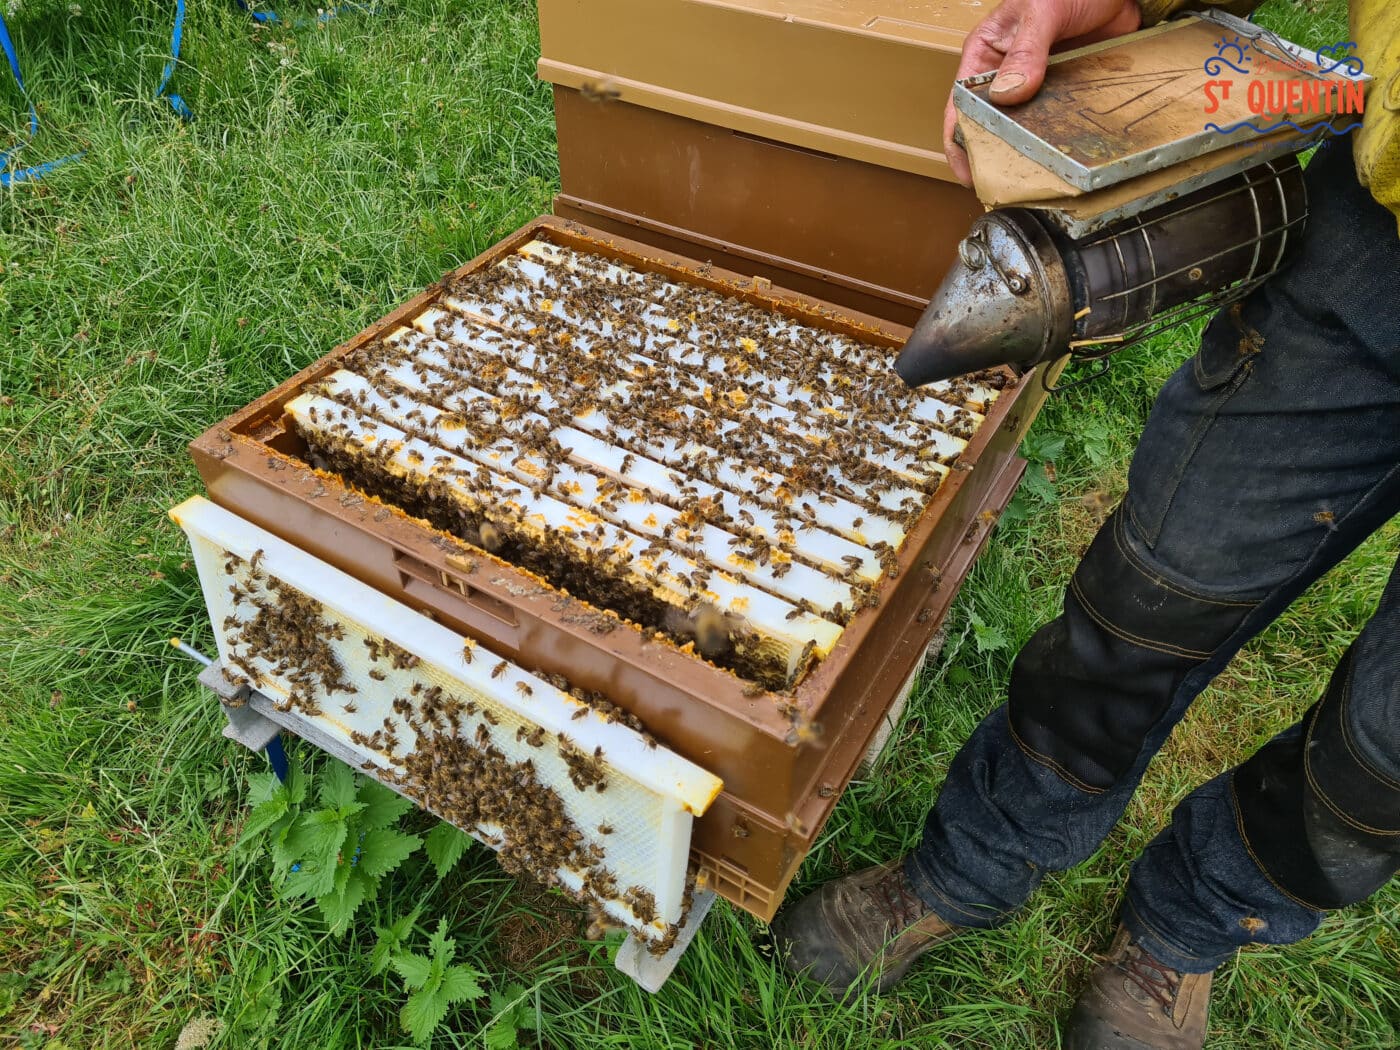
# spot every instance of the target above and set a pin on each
(597, 577)
(469, 781)
(585, 770)
(287, 630)
(732, 389)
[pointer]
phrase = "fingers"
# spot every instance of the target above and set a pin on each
(1016, 40)
(1022, 71)
(980, 54)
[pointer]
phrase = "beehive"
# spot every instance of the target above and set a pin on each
(584, 460)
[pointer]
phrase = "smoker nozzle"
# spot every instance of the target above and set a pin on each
(1006, 300)
(1022, 288)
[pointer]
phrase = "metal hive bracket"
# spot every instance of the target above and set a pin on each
(245, 725)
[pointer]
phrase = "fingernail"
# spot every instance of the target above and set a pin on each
(1004, 82)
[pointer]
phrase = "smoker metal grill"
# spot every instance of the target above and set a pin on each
(783, 755)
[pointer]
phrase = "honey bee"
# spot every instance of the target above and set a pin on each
(491, 538)
(500, 669)
(523, 688)
(711, 632)
(803, 731)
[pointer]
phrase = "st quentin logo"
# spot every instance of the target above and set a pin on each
(1307, 96)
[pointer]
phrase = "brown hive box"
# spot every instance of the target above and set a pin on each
(780, 779)
(799, 140)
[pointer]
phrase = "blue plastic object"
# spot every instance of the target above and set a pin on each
(9, 177)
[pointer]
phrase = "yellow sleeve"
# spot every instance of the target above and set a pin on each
(1375, 26)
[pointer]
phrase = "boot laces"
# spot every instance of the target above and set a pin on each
(1161, 982)
(894, 897)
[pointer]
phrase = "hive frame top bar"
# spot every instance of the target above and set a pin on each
(1128, 162)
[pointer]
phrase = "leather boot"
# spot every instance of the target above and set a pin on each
(1134, 1002)
(870, 921)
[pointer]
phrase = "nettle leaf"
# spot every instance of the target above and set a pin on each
(261, 998)
(989, 639)
(343, 868)
(445, 845)
(512, 1014)
(461, 983)
(339, 906)
(1040, 448)
(1037, 483)
(264, 817)
(384, 849)
(1097, 437)
(415, 969)
(422, 1013)
(318, 836)
(264, 786)
(316, 843)
(390, 940)
(516, 995)
(1017, 510)
(501, 1036)
(442, 948)
(309, 879)
(382, 806)
(336, 786)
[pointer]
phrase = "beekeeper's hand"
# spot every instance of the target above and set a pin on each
(1016, 40)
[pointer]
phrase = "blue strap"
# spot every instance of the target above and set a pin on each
(176, 102)
(277, 757)
(36, 171)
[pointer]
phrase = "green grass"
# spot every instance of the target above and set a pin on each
(175, 274)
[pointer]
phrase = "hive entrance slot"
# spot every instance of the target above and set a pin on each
(453, 594)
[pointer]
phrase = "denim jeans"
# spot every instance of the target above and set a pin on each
(1267, 458)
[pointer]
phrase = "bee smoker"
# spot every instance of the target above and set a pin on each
(1030, 285)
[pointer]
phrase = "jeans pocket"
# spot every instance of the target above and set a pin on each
(1182, 418)
(1228, 345)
